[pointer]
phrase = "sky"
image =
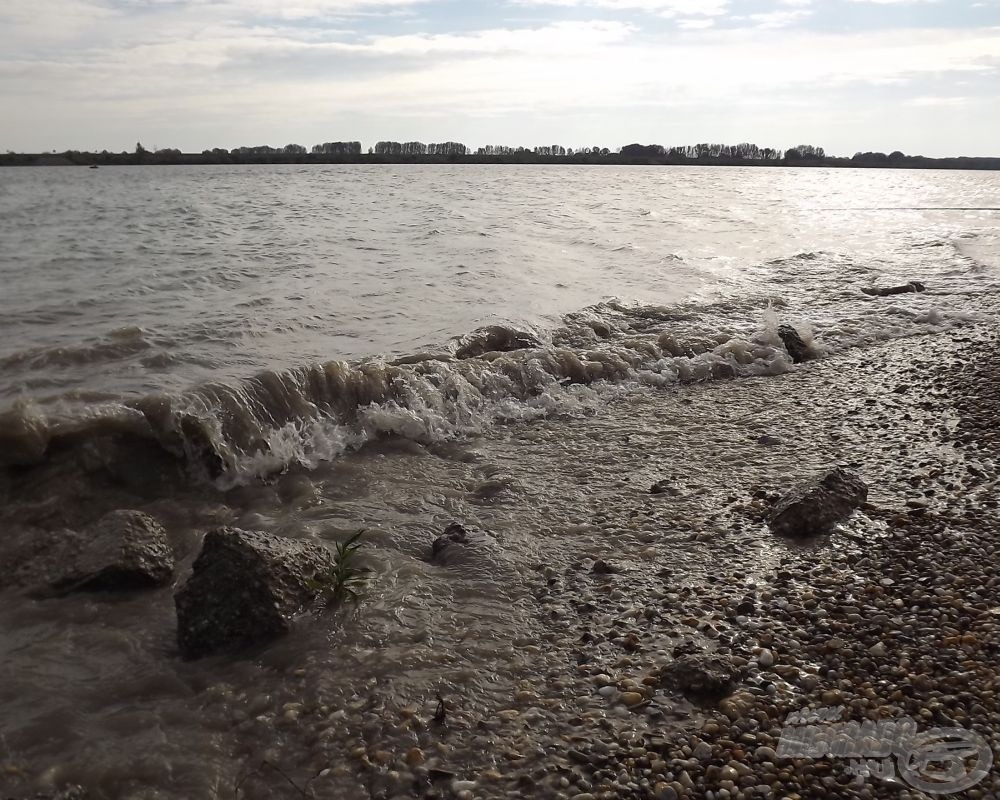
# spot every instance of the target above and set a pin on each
(921, 76)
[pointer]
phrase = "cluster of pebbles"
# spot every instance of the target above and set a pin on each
(895, 617)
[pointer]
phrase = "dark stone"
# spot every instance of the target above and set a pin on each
(709, 676)
(602, 567)
(909, 288)
(475, 554)
(454, 534)
(24, 436)
(819, 504)
(495, 338)
(796, 347)
(663, 487)
(123, 550)
(245, 589)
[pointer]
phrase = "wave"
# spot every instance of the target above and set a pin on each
(120, 343)
(237, 433)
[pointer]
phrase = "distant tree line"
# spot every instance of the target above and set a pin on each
(743, 154)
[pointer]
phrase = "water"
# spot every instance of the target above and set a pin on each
(292, 350)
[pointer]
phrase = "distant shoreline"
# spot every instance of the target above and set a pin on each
(81, 159)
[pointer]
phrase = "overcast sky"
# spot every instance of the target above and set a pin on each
(922, 76)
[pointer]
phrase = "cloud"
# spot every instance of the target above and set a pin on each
(781, 18)
(938, 102)
(695, 24)
(667, 8)
(234, 67)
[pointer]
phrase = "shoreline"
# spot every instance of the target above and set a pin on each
(695, 572)
(94, 160)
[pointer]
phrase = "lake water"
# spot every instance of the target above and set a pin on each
(313, 350)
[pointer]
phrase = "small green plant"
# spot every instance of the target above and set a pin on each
(345, 579)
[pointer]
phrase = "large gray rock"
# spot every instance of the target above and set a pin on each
(245, 589)
(708, 676)
(123, 550)
(819, 504)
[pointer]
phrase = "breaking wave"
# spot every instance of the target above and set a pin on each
(235, 433)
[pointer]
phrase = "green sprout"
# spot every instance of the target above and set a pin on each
(345, 579)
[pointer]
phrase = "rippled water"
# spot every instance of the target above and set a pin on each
(292, 350)
(132, 280)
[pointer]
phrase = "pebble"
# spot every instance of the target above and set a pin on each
(631, 698)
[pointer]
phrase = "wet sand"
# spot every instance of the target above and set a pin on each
(889, 615)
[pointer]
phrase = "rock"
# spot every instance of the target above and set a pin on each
(444, 545)
(495, 338)
(244, 589)
(123, 550)
(474, 553)
(769, 440)
(602, 567)
(702, 752)
(631, 698)
(796, 347)
(663, 487)
(909, 288)
(709, 675)
(819, 504)
(24, 436)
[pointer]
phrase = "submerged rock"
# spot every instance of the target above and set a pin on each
(454, 534)
(123, 550)
(794, 344)
(24, 436)
(473, 554)
(245, 588)
(909, 288)
(709, 676)
(495, 338)
(819, 504)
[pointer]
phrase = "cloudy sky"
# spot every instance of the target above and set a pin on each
(922, 76)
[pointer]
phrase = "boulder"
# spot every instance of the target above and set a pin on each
(888, 291)
(24, 436)
(796, 347)
(702, 676)
(123, 550)
(819, 504)
(245, 588)
(495, 338)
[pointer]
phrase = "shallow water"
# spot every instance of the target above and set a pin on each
(135, 362)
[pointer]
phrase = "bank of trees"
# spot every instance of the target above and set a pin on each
(744, 153)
